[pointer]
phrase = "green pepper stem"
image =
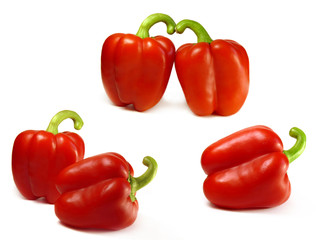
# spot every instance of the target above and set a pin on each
(196, 27)
(145, 26)
(60, 116)
(144, 179)
(298, 148)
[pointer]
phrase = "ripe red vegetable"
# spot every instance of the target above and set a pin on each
(99, 192)
(135, 69)
(214, 74)
(38, 157)
(248, 169)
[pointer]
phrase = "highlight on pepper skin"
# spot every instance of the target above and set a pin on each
(248, 169)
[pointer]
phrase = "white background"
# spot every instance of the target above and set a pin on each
(50, 61)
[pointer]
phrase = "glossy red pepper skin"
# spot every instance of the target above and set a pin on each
(247, 169)
(135, 69)
(97, 193)
(93, 170)
(214, 74)
(240, 147)
(39, 156)
(112, 210)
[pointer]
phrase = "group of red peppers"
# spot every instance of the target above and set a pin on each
(247, 169)
(214, 74)
(96, 192)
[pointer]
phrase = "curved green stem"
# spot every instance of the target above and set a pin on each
(196, 27)
(145, 26)
(60, 116)
(144, 179)
(298, 148)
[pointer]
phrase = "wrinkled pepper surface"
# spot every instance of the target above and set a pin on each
(38, 157)
(99, 192)
(135, 69)
(214, 74)
(248, 169)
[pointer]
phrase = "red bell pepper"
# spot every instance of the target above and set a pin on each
(99, 192)
(38, 157)
(135, 69)
(214, 75)
(248, 169)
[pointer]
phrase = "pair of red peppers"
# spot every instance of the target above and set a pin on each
(214, 74)
(97, 192)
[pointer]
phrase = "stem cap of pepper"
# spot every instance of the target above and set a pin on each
(298, 148)
(139, 182)
(61, 116)
(145, 26)
(197, 28)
